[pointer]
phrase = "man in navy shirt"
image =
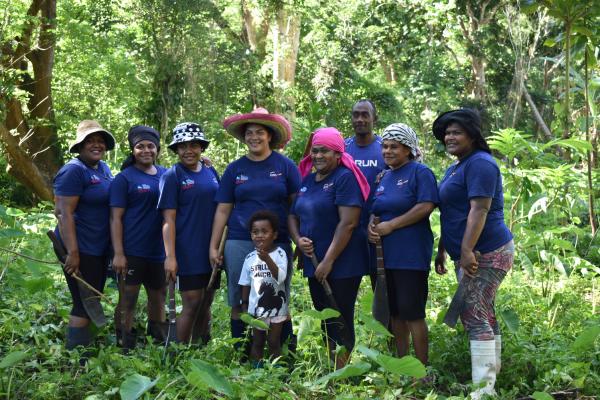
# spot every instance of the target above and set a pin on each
(365, 148)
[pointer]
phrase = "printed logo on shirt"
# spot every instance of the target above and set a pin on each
(215, 180)
(402, 182)
(380, 190)
(187, 184)
(302, 190)
(94, 180)
(260, 271)
(366, 163)
(241, 178)
(275, 174)
(327, 186)
(143, 188)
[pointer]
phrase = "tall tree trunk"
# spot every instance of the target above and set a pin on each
(478, 65)
(286, 42)
(470, 30)
(255, 30)
(28, 131)
(536, 114)
(567, 131)
(590, 161)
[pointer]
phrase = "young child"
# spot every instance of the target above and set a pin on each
(264, 294)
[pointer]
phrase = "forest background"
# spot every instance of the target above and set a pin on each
(531, 68)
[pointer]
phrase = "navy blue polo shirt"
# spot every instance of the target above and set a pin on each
(317, 208)
(258, 185)
(477, 175)
(192, 195)
(92, 213)
(398, 191)
(137, 192)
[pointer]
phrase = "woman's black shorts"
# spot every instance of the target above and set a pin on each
(93, 270)
(141, 270)
(193, 282)
(407, 293)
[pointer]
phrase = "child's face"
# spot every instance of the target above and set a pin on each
(262, 234)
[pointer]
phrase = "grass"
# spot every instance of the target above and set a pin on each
(538, 334)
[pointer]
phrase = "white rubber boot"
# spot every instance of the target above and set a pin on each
(483, 367)
(498, 340)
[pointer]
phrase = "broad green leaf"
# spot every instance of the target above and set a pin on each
(575, 144)
(375, 326)
(527, 264)
(511, 319)
(135, 386)
(355, 369)
(304, 329)
(583, 30)
(407, 365)
(372, 354)
(323, 314)
(541, 396)
(586, 339)
(15, 212)
(10, 233)
(37, 284)
(253, 322)
(210, 376)
(12, 358)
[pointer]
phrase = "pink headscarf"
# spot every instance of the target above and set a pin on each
(332, 139)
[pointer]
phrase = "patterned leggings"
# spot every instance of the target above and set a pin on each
(478, 315)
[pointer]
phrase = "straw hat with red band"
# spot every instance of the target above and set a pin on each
(279, 127)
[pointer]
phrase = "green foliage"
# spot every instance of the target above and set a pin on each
(135, 386)
(205, 374)
(540, 350)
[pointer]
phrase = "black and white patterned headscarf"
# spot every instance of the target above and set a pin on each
(187, 132)
(404, 134)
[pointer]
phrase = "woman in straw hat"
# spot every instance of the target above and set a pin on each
(187, 192)
(136, 232)
(81, 190)
(262, 179)
(475, 236)
(324, 219)
(404, 198)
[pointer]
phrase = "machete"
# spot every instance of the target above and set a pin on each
(202, 315)
(122, 314)
(345, 336)
(172, 318)
(89, 297)
(458, 300)
(381, 306)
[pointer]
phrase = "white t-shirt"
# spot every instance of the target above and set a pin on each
(268, 296)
